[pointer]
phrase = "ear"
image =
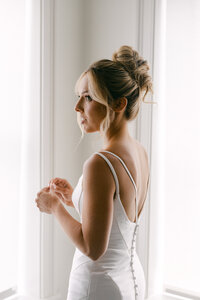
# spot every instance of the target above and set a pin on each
(120, 104)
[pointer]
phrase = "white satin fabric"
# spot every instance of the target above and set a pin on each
(118, 274)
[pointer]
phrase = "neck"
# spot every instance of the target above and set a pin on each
(116, 133)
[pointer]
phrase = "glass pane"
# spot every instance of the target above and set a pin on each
(182, 164)
(12, 20)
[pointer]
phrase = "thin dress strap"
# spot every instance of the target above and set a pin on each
(113, 171)
(133, 243)
(129, 174)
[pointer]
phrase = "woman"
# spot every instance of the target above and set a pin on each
(111, 192)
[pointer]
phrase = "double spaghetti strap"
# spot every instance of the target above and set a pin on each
(112, 170)
(129, 174)
(116, 179)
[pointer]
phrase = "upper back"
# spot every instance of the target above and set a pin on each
(135, 157)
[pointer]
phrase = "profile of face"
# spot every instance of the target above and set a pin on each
(91, 111)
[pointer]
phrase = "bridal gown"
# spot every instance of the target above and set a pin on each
(118, 274)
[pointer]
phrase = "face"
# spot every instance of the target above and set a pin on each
(91, 111)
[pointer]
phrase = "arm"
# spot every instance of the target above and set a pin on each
(97, 213)
(92, 236)
(71, 226)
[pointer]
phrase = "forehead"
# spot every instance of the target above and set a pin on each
(83, 85)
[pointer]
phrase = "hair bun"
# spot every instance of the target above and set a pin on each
(125, 54)
(135, 65)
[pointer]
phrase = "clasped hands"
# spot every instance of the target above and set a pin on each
(49, 197)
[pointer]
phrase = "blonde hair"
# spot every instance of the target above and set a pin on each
(126, 75)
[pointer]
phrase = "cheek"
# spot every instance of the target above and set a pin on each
(101, 112)
(97, 112)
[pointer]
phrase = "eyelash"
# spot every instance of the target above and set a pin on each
(88, 98)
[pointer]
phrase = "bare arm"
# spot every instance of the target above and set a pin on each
(92, 236)
(71, 226)
(97, 214)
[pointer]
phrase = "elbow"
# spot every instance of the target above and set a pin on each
(94, 255)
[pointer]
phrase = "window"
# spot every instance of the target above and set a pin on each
(11, 78)
(182, 160)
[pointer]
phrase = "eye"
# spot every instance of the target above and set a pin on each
(88, 98)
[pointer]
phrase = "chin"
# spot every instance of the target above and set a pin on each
(89, 130)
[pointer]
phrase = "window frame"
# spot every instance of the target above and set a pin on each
(152, 45)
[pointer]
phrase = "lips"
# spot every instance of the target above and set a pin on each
(82, 119)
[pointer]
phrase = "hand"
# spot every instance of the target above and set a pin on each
(47, 201)
(63, 189)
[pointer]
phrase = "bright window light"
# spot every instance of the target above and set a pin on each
(182, 160)
(12, 32)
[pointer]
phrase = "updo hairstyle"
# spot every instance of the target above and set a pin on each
(126, 75)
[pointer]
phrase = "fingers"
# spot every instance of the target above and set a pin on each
(43, 209)
(43, 205)
(45, 189)
(39, 193)
(54, 180)
(59, 182)
(55, 189)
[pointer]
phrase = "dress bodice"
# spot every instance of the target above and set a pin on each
(121, 250)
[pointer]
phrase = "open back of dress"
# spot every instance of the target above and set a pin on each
(118, 274)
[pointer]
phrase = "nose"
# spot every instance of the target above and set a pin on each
(79, 105)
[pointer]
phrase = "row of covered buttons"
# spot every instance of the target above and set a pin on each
(132, 255)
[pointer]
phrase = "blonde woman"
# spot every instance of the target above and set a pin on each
(111, 192)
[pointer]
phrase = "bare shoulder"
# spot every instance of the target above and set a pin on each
(95, 164)
(97, 171)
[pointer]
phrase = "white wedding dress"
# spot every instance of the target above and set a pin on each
(118, 274)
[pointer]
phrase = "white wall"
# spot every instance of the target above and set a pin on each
(84, 32)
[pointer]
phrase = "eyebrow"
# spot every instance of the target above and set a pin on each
(84, 92)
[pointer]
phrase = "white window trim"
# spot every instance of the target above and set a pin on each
(36, 276)
(144, 124)
(47, 142)
(151, 46)
(152, 37)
